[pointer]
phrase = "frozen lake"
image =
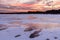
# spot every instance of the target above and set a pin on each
(12, 30)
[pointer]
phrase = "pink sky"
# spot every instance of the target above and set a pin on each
(34, 5)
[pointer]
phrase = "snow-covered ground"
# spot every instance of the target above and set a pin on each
(10, 33)
(18, 33)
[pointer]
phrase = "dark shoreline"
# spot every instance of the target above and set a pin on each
(37, 12)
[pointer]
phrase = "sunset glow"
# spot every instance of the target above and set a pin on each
(30, 5)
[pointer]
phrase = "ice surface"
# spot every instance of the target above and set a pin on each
(18, 33)
(10, 34)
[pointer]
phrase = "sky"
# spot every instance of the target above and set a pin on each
(7, 6)
(10, 33)
(14, 5)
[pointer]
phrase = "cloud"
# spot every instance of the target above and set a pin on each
(9, 8)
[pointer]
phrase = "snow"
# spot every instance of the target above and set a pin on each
(11, 32)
